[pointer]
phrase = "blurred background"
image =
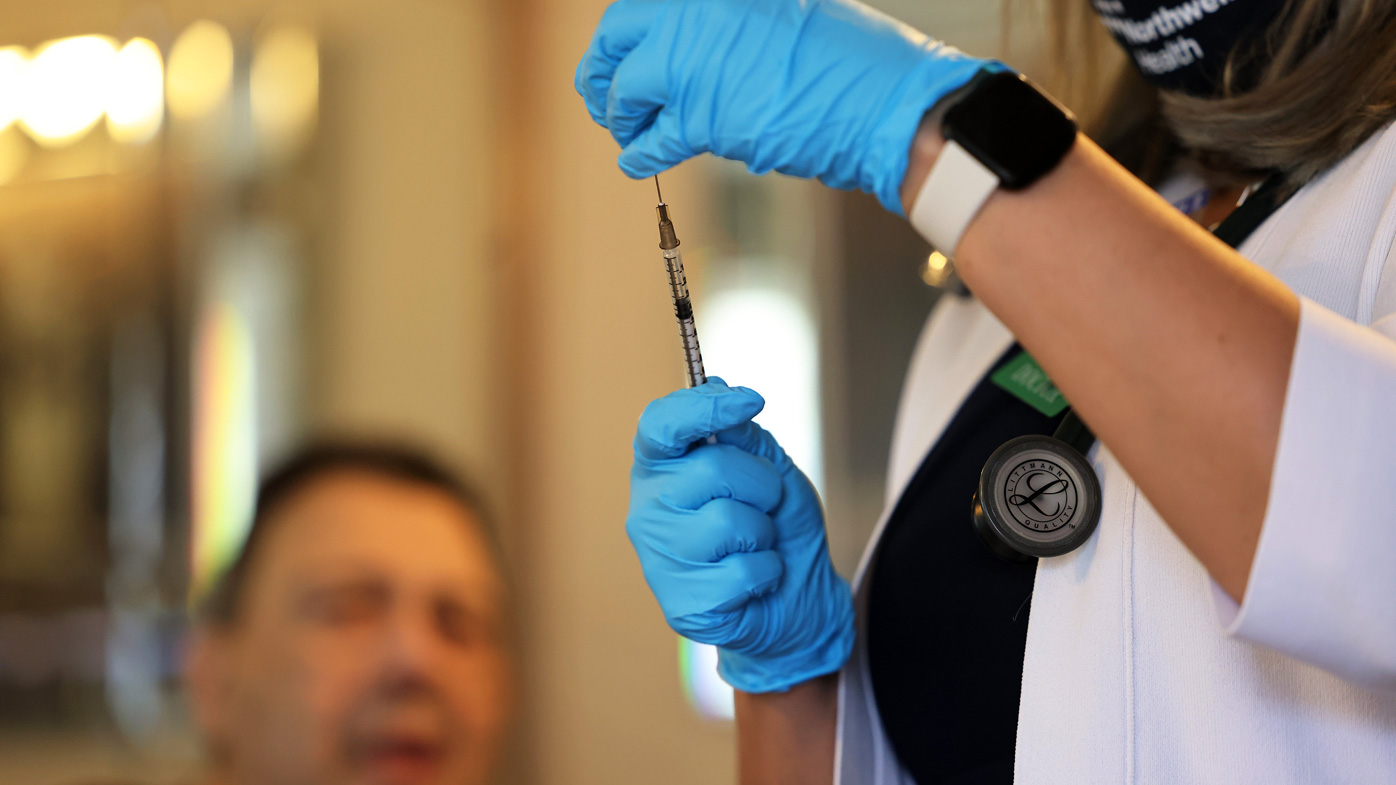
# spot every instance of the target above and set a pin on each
(227, 227)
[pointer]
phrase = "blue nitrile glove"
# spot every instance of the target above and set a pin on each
(813, 88)
(731, 540)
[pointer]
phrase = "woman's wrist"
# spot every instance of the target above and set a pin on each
(925, 148)
(788, 737)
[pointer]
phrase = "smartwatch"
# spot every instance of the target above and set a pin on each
(1002, 133)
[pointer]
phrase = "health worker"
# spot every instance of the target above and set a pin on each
(1141, 519)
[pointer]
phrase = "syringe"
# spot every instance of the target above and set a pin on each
(678, 287)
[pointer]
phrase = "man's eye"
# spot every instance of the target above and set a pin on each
(347, 605)
(461, 625)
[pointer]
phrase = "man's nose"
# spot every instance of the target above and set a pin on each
(414, 645)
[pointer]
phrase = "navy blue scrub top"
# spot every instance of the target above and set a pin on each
(948, 620)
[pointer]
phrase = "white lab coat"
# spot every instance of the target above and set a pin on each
(1138, 669)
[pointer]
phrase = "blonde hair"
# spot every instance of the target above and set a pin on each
(1316, 85)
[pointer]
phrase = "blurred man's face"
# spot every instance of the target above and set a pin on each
(369, 648)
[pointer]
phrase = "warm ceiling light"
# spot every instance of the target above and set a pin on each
(136, 101)
(200, 70)
(285, 87)
(13, 65)
(65, 88)
(937, 269)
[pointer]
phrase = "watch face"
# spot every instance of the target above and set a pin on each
(1012, 128)
(1040, 496)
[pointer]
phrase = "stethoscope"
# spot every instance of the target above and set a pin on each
(1039, 496)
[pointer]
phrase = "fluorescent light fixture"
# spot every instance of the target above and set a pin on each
(285, 88)
(65, 88)
(14, 64)
(136, 98)
(199, 74)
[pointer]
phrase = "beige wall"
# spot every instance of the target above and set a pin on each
(407, 321)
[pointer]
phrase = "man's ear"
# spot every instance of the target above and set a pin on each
(208, 676)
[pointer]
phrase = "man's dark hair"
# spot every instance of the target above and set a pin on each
(313, 463)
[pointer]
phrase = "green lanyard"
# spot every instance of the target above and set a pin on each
(1025, 380)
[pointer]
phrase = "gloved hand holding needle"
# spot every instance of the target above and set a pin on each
(824, 88)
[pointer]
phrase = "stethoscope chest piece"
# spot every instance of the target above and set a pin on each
(1037, 497)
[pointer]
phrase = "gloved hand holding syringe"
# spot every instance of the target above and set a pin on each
(729, 531)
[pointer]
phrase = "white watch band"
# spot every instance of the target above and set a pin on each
(956, 188)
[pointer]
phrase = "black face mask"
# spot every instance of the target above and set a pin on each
(1183, 45)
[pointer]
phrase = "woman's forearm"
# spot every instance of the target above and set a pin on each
(787, 738)
(1173, 347)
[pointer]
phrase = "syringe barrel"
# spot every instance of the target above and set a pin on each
(683, 312)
